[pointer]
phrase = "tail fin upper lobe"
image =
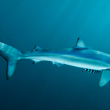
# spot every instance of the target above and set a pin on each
(12, 56)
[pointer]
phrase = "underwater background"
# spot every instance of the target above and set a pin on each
(53, 24)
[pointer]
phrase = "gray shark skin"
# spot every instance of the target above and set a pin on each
(80, 56)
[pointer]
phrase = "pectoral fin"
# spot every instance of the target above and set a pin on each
(104, 78)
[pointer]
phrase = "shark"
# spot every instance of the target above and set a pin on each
(80, 56)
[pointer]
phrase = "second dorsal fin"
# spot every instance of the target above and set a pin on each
(36, 48)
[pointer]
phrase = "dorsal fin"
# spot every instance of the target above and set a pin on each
(80, 44)
(36, 48)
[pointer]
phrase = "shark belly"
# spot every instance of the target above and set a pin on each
(86, 63)
(72, 61)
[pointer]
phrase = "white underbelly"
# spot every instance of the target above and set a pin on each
(86, 63)
(74, 61)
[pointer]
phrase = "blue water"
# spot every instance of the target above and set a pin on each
(53, 24)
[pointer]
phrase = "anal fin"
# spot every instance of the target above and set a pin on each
(34, 62)
(58, 64)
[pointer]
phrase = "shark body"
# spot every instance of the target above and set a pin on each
(80, 56)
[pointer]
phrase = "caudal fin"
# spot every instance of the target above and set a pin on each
(11, 65)
(12, 56)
